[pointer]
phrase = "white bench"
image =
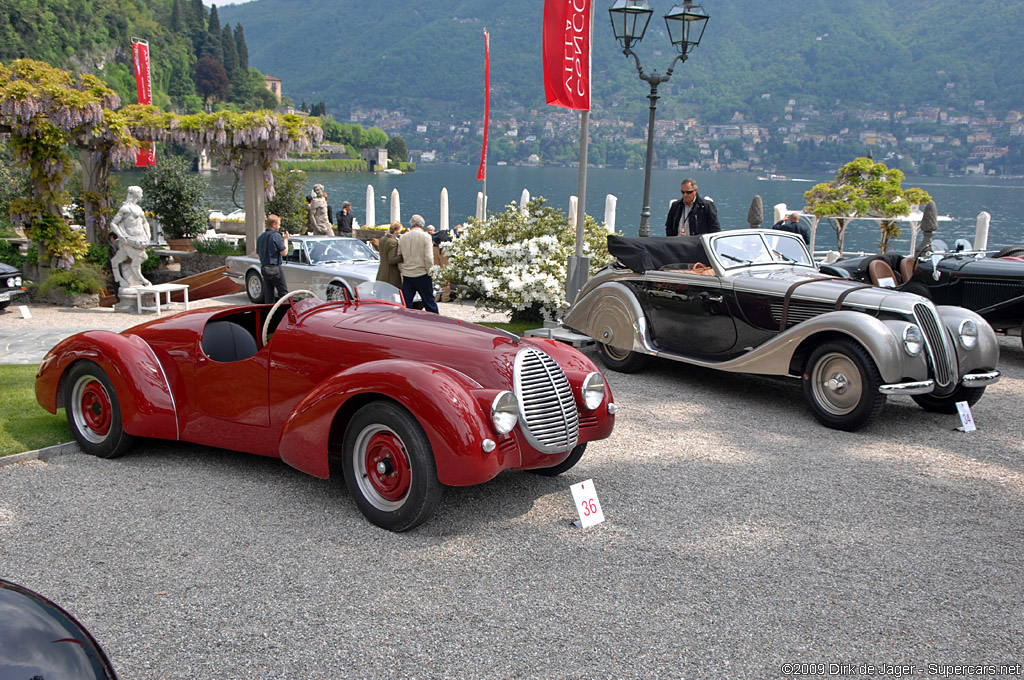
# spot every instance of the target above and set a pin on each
(156, 291)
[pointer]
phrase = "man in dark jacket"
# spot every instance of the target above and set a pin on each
(345, 219)
(271, 247)
(791, 223)
(696, 215)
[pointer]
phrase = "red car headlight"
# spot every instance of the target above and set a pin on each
(593, 390)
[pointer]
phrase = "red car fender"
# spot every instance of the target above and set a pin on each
(147, 405)
(442, 401)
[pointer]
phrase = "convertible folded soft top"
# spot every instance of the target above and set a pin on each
(655, 252)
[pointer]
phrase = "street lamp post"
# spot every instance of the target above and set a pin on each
(685, 24)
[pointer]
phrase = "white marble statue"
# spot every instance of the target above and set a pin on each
(133, 234)
(318, 220)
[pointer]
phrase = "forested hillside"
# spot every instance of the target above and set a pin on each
(426, 56)
(195, 60)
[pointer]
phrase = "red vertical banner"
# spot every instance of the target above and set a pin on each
(482, 172)
(143, 84)
(567, 53)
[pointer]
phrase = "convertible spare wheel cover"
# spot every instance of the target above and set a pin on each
(613, 324)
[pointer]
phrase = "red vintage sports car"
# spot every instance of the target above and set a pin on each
(409, 401)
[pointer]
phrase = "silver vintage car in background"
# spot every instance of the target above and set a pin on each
(326, 265)
(753, 301)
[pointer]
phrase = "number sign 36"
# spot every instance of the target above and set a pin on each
(585, 496)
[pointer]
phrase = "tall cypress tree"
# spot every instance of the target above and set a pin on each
(213, 45)
(177, 18)
(243, 50)
(230, 51)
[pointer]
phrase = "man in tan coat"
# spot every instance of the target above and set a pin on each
(390, 257)
(417, 250)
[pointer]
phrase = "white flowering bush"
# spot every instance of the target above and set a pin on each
(517, 260)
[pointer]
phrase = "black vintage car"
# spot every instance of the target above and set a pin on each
(991, 286)
(11, 284)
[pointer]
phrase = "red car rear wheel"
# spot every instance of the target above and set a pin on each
(94, 412)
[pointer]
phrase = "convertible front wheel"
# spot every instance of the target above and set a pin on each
(389, 467)
(947, 404)
(841, 384)
(254, 287)
(621, 360)
(94, 412)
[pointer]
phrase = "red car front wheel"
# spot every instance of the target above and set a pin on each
(389, 467)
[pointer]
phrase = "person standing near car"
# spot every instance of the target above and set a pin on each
(390, 257)
(417, 250)
(345, 219)
(271, 247)
(693, 215)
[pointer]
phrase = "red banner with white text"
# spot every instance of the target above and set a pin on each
(140, 55)
(481, 174)
(567, 53)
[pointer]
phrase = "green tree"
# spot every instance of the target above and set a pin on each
(177, 196)
(863, 188)
(241, 48)
(397, 149)
(289, 201)
(374, 137)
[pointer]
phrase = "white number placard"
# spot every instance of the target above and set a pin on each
(965, 416)
(25, 314)
(585, 496)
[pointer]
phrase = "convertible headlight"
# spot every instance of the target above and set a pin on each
(968, 334)
(913, 341)
(504, 412)
(593, 391)
(17, 282)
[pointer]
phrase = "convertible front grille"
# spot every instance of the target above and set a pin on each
(935, 339)
(981, 294)
(547, 409)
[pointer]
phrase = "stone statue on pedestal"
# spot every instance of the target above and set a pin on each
(318, 222)
(133, 235)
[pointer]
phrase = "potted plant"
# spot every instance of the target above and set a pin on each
(175, 195)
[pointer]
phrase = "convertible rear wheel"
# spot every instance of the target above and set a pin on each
(569, 462)
(94, 412)
(621, 360)
(335, 292)
(389, 467)
(841, 385)
(947, 404)
(254, 287)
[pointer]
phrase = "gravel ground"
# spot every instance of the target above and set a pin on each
(740, 536)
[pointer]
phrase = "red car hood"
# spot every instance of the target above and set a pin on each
(398, 322)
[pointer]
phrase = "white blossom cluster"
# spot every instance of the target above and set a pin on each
(517, 262)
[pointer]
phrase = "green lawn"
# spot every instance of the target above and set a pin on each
(24, 424)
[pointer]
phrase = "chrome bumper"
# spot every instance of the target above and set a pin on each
(980, 379)
(915, 387)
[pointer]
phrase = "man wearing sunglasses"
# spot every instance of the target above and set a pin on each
(693, 215)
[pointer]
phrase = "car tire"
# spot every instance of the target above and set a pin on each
(623, 361)
(389, 467)
(917, 289)
(254, 287)
(568, 463)
(840, 383)
(5, 305)
(1010, 251)
(94, 411)
(336, 292)
(947, 404)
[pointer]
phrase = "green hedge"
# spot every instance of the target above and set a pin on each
(326, 165)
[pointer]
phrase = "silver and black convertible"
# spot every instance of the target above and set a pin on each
(326, 265)
(753, 301)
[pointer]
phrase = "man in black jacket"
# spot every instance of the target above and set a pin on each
(345, 219)
(695, 214)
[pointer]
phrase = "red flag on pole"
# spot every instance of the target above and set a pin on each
(482, 172)
(140, 54)
(567, 53)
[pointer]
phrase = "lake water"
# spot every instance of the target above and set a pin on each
(961, 198)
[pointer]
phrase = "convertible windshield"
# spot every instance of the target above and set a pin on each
(323, 251)
(746, 249)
